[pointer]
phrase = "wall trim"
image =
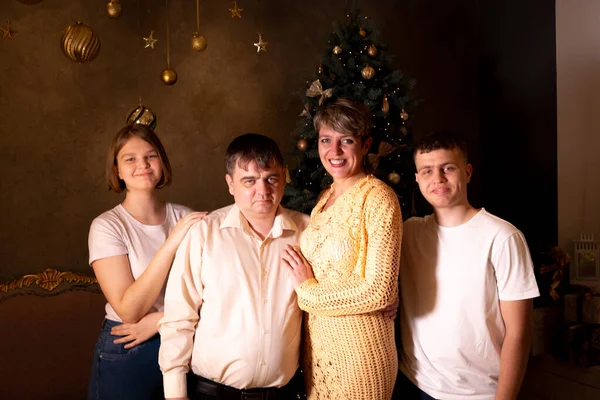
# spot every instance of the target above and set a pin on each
(47, 283)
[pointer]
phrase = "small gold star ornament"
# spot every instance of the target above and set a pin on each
(261, 46)
(150, 41)
(7, 32)
(236, 11)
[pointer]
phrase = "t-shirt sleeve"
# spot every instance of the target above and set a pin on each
(105, 240)
(514, 270)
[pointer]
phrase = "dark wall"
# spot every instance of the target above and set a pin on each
(57, 117)
(517, 91)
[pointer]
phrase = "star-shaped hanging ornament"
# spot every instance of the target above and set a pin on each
(236, 11)
(150, 41)
(7, 32)
(261, 46)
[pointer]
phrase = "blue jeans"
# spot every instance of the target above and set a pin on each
(406, 390)
(125, 374)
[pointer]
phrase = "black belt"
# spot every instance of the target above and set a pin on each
(220, 391)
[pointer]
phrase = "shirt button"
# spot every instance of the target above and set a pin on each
(266, 331)
(265, 301)
(263, 363)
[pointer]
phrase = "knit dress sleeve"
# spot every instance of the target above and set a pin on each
(372, 283)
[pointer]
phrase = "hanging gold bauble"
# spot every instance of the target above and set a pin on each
(114, 9)
(302, 145)
(168, 76)
(198, 42)
(362, 32)
(368, 72)
(372, 50)
(394, 177)
(142, 115)
(385, 105)
(337, 50)
(80, 43)
(404, 115)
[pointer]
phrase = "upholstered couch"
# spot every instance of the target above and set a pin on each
(49, 323)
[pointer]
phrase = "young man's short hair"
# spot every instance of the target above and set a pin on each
(441, 140)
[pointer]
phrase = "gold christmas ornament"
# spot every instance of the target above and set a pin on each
(114, 9)
(236, 11)
(168, 76)
(142, 115)
(368, 72)
(404, 131)
(372, 50)
(80, 43)
(394, 177)
(261, 46)
(149, 42)
(385, 105)
(302, 145)
(404, 115)
(198, 42)
(362, 32)
(7, 31)
(337, 50)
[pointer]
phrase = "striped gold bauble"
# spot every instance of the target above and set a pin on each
(80, 43)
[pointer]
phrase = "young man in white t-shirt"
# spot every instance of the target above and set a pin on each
(467, 285)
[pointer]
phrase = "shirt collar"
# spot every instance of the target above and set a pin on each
(283, 221)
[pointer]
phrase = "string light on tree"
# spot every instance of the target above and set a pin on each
(302, 145)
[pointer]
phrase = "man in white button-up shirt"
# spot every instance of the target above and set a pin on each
(231, 314)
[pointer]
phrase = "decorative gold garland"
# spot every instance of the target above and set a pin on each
(48, 280)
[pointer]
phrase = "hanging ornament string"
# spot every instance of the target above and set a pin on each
(198, 41)
(140, 114)
(168, 75)
(260, 45)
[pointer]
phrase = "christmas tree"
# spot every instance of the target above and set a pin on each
(355, 66)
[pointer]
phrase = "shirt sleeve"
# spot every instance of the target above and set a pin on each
(374, 283)
(105, 240)
(183, 299)
(514, 270)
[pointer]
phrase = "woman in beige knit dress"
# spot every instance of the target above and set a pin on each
(353, 247)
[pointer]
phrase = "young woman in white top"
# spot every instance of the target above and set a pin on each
(131, 250)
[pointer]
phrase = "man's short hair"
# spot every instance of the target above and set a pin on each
(252, 147)
(145, 133)
(347, 117)
(441, 140)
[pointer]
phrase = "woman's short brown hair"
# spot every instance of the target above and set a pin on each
(145, 133)
(347, 117)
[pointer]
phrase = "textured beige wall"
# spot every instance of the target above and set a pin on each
(578, 102)
(57, 117)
